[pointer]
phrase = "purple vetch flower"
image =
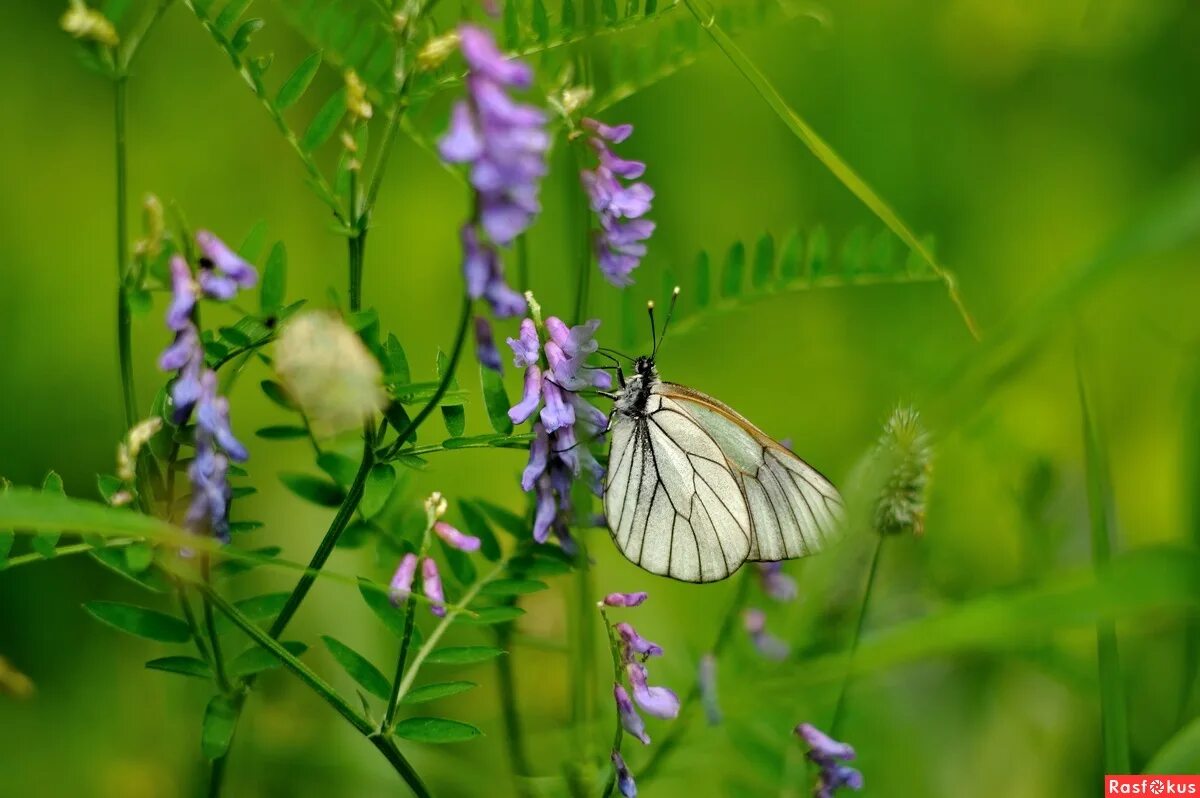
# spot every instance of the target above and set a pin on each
(635, 643)
(620, 241)
(625, 783)
(631, 721)
(706, 681)
(485, 346)
(504, 144)
(625, 599)
(661, 702)
(769, 646)
(828, 754)
(454, 538)
(774, 582)
(431, 585)
(566, 422)
(402, 581)
(194, 387)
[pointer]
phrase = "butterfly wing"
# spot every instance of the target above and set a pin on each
(794, 510)
(673, 505)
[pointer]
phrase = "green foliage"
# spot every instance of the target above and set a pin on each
(455, 415)
(432, 692)
(220, 720)
(495, 399)
(184, 666)
(274, 280)
(463, 655)
(435, 730)
(139, 621)
(802, 262)
(351, 34)
(319, 491)
(358, 667)
(513, 587)
(44, 542)
(256, 660)
(378, 488)
(377, 600)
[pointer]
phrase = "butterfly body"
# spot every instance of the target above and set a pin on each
(694, 490)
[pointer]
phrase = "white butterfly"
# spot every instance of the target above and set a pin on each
(694, 490)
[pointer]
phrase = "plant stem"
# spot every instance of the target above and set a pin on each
(443, 385)
(321, 688)
(190, 616)
(124, 317)
(389, 716)
(618, 678)
(706, 17)
(668, 744)
(218, 661)
(357, 246)
(513, 734)
(340, 521)
(840, 707)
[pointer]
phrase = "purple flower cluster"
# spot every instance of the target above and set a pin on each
(828, 754)
(401, 586)
(620, 241)
(222, 273)
(504, 143)
(774, 582)
(566, 423)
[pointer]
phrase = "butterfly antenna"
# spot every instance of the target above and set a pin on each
(667, 323)
(653, 333)
(610, 352)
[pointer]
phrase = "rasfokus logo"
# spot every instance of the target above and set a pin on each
(1151, 785)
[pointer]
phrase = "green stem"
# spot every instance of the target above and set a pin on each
(668, 743)
(389, 716)
(340, 521)
(216, 777)
(357, 246)
(443, 385)
(124, 317)
(190, 616)
(65, 551)
(706, 17)
(514, 737)
(618, 678)
(218, 661)
(585, 662)
(840, 707)
(439, 630)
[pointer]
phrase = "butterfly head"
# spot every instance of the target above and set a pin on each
(644, 366)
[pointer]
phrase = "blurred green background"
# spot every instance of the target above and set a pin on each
(1022, 136)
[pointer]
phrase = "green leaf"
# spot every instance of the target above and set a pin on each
(139, 621)
(477, 525)
(231, 568)
(325, 122)
(460, 563)
(396, 361)
(377, 600)
(435, 730)
(186, 666)
(314, 489)
(282, 432)
(434, 691)
(486, 616)
(462, 655)
(541, 21)
(44, 543)
(340, 468)
(1180, 754)
(230, 14)
(512, 587)
(274, 280)
(495, 399)
(353, 34)
(278, 394)
(114, 559)
(252, 246)
(378, 488)
(398, 417)
(296, 84)
(359, 668)
(764, 261)
(256, 659)
(220, 719)
(455, 416)
(256, 608)
(241, 39)
(509, 521)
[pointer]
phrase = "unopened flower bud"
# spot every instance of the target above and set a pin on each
(88, 24)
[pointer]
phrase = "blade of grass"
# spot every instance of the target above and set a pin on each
(1100, 504)
(705, 15)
